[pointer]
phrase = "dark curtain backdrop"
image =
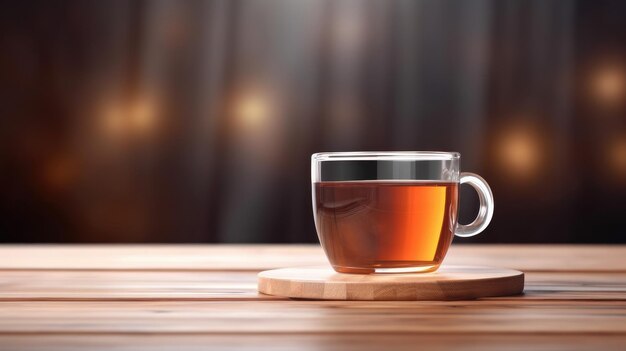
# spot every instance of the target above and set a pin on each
(194, 121)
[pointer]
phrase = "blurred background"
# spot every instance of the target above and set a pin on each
(194, 121)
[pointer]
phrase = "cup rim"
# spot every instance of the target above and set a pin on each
(386, 155)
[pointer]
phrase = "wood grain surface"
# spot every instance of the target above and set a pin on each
(580, 258)
(204, 297)
(310, 341)
(447, 283)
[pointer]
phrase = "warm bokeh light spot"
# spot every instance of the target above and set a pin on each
(519, 152)
(142, 116)
(252, 109)
(608, 85)
(257, 120)
(129, 119)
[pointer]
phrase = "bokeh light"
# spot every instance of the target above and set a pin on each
(142, 116)
(252, 109)
(608, 84)
(258, 123)
(519, 151)
(134, 118)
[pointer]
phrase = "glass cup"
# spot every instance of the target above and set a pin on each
(391, 212)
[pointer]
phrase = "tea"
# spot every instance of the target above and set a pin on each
(366, 225)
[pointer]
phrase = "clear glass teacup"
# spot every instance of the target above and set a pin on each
(391, 212)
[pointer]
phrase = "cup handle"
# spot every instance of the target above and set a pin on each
(486, 206)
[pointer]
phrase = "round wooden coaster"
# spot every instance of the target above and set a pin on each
(447, 283)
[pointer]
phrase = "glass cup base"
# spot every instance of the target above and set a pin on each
(378, 270)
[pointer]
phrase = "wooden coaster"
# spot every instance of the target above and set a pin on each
(447, 283)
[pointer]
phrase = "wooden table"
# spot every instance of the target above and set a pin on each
(199, 297)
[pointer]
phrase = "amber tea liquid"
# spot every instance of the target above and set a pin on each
(365, 225)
